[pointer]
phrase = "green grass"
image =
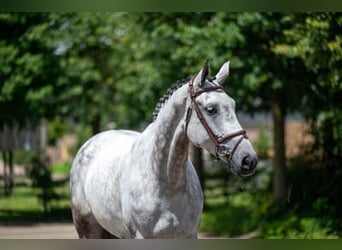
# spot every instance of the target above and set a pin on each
(23, 198)
(25, 206)
(62, 168)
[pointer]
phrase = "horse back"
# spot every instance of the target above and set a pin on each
(108, 144)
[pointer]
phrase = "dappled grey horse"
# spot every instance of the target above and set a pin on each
(126, 184)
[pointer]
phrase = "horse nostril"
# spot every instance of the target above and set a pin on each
(250, 161)
(253, 162)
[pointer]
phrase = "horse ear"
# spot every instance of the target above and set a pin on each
(223, 73)
(202, 75)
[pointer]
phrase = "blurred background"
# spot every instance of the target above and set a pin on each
(67, 76)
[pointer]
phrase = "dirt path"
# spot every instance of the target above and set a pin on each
(39, 231)
(48, 231)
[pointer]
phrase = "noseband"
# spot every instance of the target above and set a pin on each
(220, 148)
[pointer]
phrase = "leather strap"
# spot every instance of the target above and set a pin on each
(216, 140)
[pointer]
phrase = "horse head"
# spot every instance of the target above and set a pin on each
(211, 122)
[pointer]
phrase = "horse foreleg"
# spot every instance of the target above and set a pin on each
(88, 228)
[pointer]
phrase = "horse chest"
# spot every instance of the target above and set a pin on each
(153, 210)
(157, 218)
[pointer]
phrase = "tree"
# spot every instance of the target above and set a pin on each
(23, 76)
(89, 48)
(22, 86)
(316, 41)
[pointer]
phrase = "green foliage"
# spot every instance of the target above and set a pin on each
(23, 92)
(22, 157)
(88, 65)
(328, 135)
(56, 129)
(235, 206)
(229, 218)
(293, 227)
(42, 178)
(315, 39)
(262, 144)
(83, 133)
(255, 214)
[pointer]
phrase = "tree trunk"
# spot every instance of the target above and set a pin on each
(279, 160)
(11, 173)
(8, 176)
(4, 158)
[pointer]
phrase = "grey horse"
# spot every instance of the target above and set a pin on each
(126, 184)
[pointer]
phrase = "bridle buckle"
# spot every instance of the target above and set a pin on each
(222, 150)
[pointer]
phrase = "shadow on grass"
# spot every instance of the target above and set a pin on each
(20, 217)
(227, 220)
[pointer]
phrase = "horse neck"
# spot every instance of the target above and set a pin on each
(171, 145)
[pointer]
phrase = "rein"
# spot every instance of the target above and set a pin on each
(220, 148)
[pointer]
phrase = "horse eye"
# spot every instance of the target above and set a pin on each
(211, 109)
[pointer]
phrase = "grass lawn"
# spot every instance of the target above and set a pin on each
(24, 206)
(62, 168)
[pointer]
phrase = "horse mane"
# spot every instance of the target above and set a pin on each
(167, 96)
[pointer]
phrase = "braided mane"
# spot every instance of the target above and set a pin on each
(167, 96)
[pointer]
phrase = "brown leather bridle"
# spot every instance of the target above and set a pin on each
(220, 148)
